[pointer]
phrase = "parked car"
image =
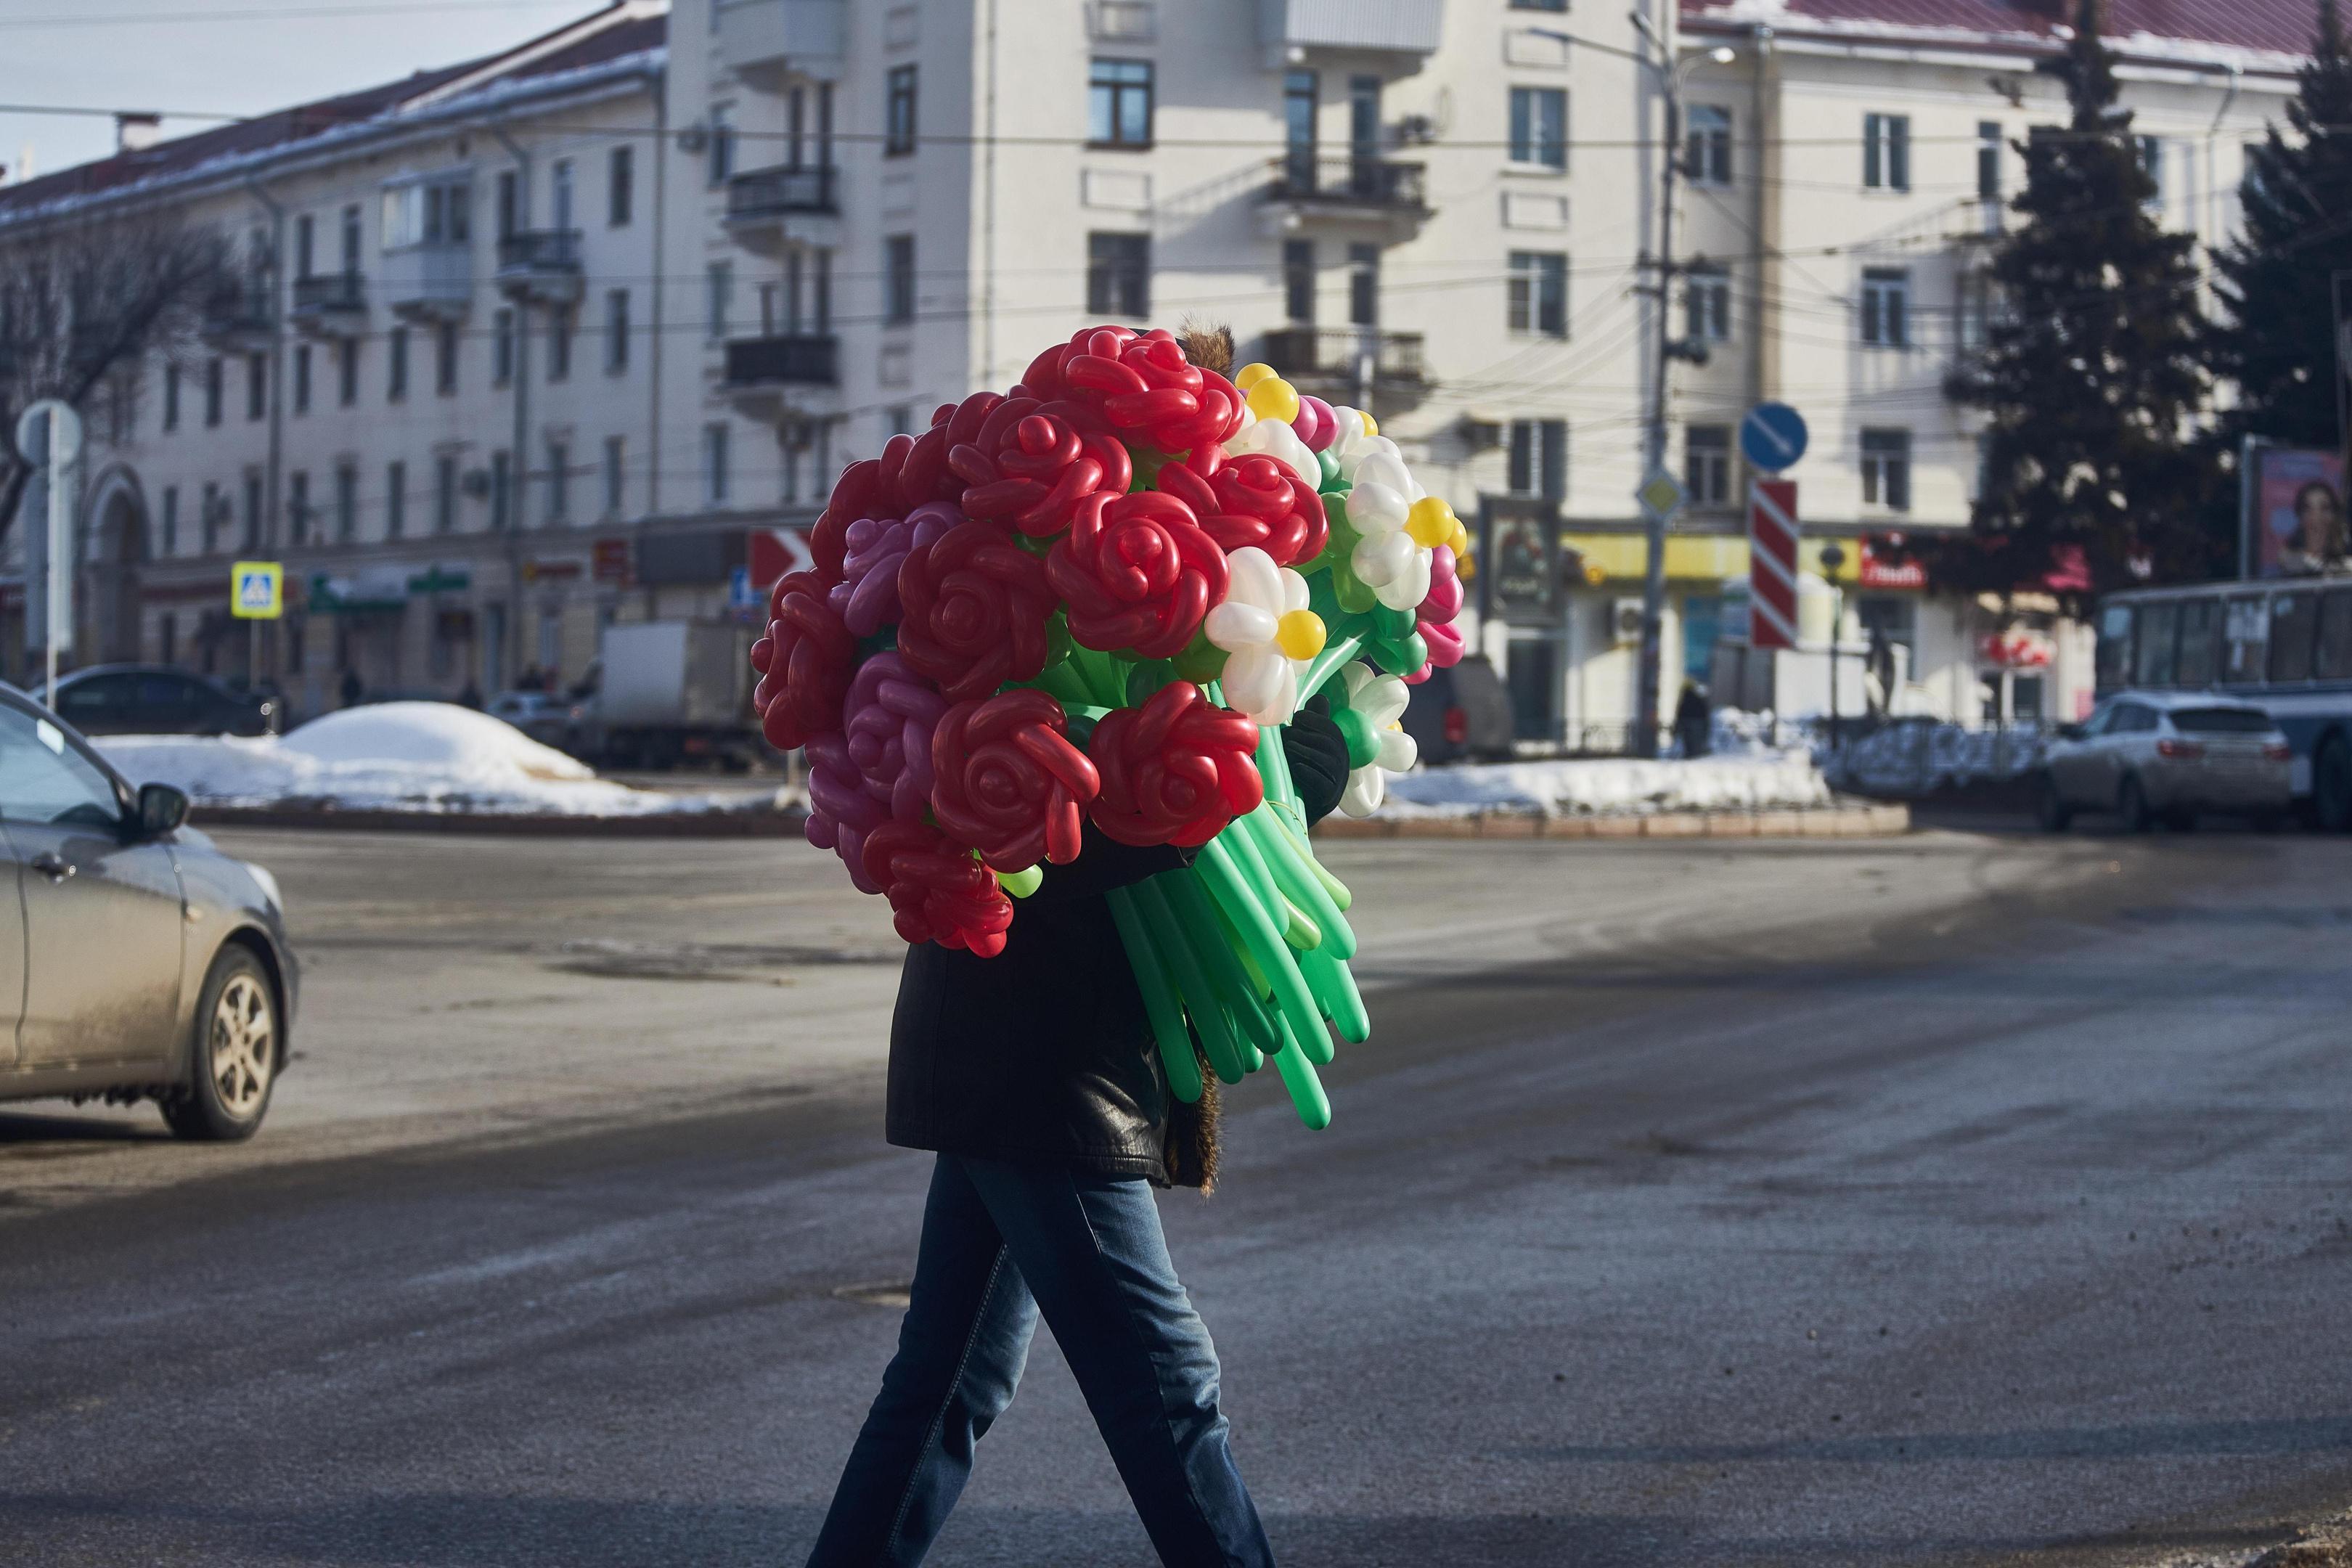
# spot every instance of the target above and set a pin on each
(161, 700)
(1461, 714)
(137, 961)
(2151, 755)
(547, 718)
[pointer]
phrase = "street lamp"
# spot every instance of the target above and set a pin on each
(1654, 578)
(1833, 560)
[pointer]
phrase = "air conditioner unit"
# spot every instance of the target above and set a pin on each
(1625, 620)
(694, 138)
(1416, 131)
(476, 482)
(1480, 434)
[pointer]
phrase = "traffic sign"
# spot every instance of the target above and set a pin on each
(1772, 436)
(774, 551)
(256, 590)
(1772, 563)
(1661, 494)
(33, 437)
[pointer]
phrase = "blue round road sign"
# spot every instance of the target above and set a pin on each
(1772, 436)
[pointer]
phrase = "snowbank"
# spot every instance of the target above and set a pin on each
(1588, 787)
(391, 756)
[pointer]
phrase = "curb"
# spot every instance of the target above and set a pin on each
(654, 824)
(1854, 820)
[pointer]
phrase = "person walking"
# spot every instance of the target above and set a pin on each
(1034, 1078)
(1691, 724)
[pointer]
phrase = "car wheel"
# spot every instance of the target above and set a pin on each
(2050, 807)
(2131, 804)
(232, 1061)
(2331, 785)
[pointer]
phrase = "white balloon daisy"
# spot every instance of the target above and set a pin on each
(1267, 633)
(1380, 700)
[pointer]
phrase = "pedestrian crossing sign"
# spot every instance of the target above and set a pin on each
(256, 590)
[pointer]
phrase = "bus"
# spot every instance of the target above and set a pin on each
(2285, 644)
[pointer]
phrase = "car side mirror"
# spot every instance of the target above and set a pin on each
(2069, 732)
(162, 809)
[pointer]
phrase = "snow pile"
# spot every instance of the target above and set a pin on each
(390, 757)
(1612, 786)
(1919, 756)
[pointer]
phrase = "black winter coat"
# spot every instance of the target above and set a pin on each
(1043, 1051)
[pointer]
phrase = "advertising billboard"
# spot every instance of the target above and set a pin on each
(2292, 521)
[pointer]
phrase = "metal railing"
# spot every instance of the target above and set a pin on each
(1361, 179)
(770, 193)
(240, 309)
(800, 359)
(539, 250)
(1337, 354)
(329, 292)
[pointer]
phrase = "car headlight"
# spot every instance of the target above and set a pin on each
(269, 884)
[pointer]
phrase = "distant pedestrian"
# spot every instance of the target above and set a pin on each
(352, 688)
(1691, 721)
(1035, 1075)
(531, 680)
(471, 696)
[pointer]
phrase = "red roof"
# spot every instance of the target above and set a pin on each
(2274, 27)
(286, 127)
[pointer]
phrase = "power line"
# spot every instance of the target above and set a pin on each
(291, 13)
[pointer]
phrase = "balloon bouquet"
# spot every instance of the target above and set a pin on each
(1097, 597)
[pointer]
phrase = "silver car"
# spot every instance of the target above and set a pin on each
(2169, 755)
(136, 960)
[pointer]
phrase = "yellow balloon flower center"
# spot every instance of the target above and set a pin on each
(1273, 398)
(1249, 374)
(1371, 427)
(1299, 633)
(1431, 522)
(1460, 540)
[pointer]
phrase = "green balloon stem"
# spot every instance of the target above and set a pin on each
(1160, 1005)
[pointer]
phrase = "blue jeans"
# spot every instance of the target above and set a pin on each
(1001, 1242)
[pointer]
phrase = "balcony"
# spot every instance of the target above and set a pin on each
(541, 266)
(332, 304)
(767, 209)
(1360, 191)
(763, 41)
(792, 359)
(1408, 29)
(1362, 367)
(431, 283)
(238, 318)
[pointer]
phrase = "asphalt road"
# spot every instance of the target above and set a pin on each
(1953, 1199)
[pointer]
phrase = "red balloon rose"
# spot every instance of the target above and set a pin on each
(1137, 573)
(938, 892)
(1174, 771)
(1006, 779)
(804, 664)
(1250, 499)
(1031, 463)
(1142, 383)
(973, 610)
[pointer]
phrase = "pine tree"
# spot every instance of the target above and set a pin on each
(2275, 338)
(2091, 377)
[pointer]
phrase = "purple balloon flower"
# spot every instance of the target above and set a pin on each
(867, 599)
(879, 767)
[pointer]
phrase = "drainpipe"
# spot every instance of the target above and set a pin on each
(1764, 361)
(2212, 166)
(275, 466)
(519, 462)
(661, 291)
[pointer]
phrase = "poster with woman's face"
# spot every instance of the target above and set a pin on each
(2299, 525)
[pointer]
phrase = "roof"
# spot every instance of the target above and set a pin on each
(619, 31)
(2254, 33)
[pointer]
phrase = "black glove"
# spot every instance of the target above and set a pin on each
(1317, 755)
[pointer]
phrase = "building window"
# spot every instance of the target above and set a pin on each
(347, 502)
(502, 347)
(306, 244)
(620, 187)
(213, 378)
(898, 112)
(444, 493)
(1298, 115)
(1538, 5)
(1886, 307)
(208, 518)
(444, 360)
(510, 205)
(558, 480)
(298, 507)
(1118, 274)
(617, 331)
(501, 492)
(615, 473)
(559, 191)
(1538, 293)
(1707, 148)
(1894, 617)
(171, 397)
(714, 465)
(351, 240)
(2149, 151)
(898, 421)
(1298, 281)
(253, 498)
(1119, 103)
(1988, 159)
(171, 519)
(395, 500)
(1707, 297)
(256, 385)
(559, 342)
(718, 163)
(1706, 464)
(719, 293)
(1539, 458)
(396, 354)
(302, 378)
(898, 278)
(1887, 151)
(1539, 126)
(1886, 469)
(347, 365)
